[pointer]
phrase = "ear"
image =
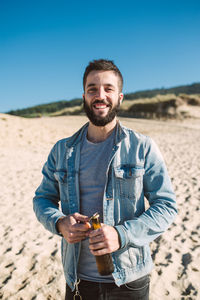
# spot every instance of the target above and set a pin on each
(83, 96)
(121, 97)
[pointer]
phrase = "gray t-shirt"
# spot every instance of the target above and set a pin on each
(93, 168)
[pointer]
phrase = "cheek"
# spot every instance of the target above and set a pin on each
(88, 98)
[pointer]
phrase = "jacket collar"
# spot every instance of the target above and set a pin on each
(77, 137)
(120, 133)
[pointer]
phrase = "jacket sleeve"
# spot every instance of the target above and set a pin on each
(162, 203)
(46, 200)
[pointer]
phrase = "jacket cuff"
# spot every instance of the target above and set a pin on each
(122, 236)
(55, 224)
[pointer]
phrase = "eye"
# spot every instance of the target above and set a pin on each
(91, 90)
(109, 89)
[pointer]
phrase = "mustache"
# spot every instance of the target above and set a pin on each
(102, 102)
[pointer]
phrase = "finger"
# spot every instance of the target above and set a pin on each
(82, 227)
(75, 240)
(81, 218)
(96, 239)
(75, 237)
(99, 252)
(96, 232)
(97, 246)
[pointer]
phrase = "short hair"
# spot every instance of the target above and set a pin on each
(103, 65)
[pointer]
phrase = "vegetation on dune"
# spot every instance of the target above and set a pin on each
(184, 89)
(75, 110)
(167, 106)
(146, 104)
(45, 109)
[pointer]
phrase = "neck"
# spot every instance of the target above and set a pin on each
(97, 134)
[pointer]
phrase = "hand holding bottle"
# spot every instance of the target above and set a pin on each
(74, 228)
(103, 240)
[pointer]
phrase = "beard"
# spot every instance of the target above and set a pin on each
(98, 120)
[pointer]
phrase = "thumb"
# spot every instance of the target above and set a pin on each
(80, 218)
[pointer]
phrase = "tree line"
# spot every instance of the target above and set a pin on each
(45, 109)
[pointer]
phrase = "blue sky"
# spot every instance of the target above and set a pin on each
(46, 45)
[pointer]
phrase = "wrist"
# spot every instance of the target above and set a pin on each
(58, 225)
(119, 239)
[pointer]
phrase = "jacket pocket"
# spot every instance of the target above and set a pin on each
(129, 180)
(129, 257)
(136, 256)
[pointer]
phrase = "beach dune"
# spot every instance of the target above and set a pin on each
(30, 260)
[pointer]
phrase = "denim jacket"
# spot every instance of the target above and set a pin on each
(136, 170)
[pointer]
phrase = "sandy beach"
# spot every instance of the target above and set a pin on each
(30, 260)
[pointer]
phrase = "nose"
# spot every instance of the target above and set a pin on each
(100, 95)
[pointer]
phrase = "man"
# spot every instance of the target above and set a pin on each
(105, 168)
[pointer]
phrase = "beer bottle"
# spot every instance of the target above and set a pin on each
(104, 262)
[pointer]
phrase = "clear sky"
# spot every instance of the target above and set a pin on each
(45, 46)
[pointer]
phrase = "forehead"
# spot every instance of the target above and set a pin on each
(102, 78)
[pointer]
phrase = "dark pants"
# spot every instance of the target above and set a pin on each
(135, 290)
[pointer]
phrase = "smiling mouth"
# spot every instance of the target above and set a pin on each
(100, 105)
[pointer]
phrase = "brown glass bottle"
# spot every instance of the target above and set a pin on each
(104, 262)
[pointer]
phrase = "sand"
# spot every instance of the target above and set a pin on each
(30, 261)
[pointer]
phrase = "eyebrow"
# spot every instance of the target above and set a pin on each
(93, 84)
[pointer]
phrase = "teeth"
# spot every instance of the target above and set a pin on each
(100, 106)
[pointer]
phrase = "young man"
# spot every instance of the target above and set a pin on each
(105, 168)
